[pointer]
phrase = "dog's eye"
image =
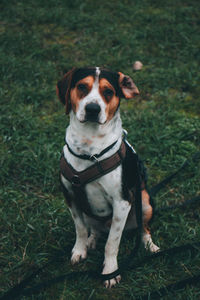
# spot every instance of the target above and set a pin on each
(108, 93)
(82, 87)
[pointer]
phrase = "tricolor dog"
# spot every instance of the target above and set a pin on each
(99, 193)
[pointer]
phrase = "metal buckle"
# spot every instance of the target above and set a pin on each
(125, 133)
(98, 163)
(76, 181)
(94, 158)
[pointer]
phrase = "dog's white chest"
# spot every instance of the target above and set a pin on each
(102, 192)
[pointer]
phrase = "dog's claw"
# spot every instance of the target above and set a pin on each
(77, 256)
(112, 282)
(152, 247)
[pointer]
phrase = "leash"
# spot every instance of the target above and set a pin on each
(156, 188)
(16, 291)
(21, 288)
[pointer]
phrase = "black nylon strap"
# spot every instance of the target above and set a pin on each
(90, 157)
(156, 188)
(21, 288)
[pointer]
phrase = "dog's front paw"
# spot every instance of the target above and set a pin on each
(78, 255)
(110, 267)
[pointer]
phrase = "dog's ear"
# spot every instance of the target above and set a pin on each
(127, 86)
(63, 89)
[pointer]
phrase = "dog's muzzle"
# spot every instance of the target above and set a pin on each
(92, 112)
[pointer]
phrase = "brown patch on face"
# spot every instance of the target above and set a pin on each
(81, 89)
(108, 94)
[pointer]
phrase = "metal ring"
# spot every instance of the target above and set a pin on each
(76, 180)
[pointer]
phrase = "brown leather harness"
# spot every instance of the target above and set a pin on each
(95, 171)
(133, 171)
(80, 179)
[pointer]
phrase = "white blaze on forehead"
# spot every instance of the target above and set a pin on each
(97, 72)
(93, 97)
(96, 82)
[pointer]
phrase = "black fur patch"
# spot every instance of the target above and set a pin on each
(81, 73)
(113, 78)
(132, 167)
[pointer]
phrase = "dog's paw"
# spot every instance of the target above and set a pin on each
(111, 266)
(153, 248)
(78, 255)
(112, 282)
(148, 243)
(150, 246)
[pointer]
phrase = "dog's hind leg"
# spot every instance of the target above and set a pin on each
(94, 227)
(147, 212)
(92, 239)
(79, 252)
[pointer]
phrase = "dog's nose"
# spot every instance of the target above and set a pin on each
(92, 112)
(92, 108)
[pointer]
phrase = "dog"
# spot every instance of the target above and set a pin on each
(94, 136)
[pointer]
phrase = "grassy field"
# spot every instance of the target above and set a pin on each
(39, 40)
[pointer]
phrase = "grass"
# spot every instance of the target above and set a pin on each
(38, 42)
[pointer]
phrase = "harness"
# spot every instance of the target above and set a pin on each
(132, 169)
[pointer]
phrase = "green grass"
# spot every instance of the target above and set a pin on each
(39, 40)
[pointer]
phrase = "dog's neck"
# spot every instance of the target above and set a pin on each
(91, 138)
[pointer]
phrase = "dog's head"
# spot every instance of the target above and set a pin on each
(94, 93)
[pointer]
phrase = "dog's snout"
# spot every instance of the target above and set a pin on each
(92, 108)
(92, 112)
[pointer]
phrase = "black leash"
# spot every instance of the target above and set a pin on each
(20, 289)
(16, 291)
(170, 288)
(156, 188)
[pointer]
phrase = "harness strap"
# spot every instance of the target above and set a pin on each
(100, 168)
(80, 179)
(90, 157)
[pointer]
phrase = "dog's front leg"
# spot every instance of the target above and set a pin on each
(79, 251)
(121, 210)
